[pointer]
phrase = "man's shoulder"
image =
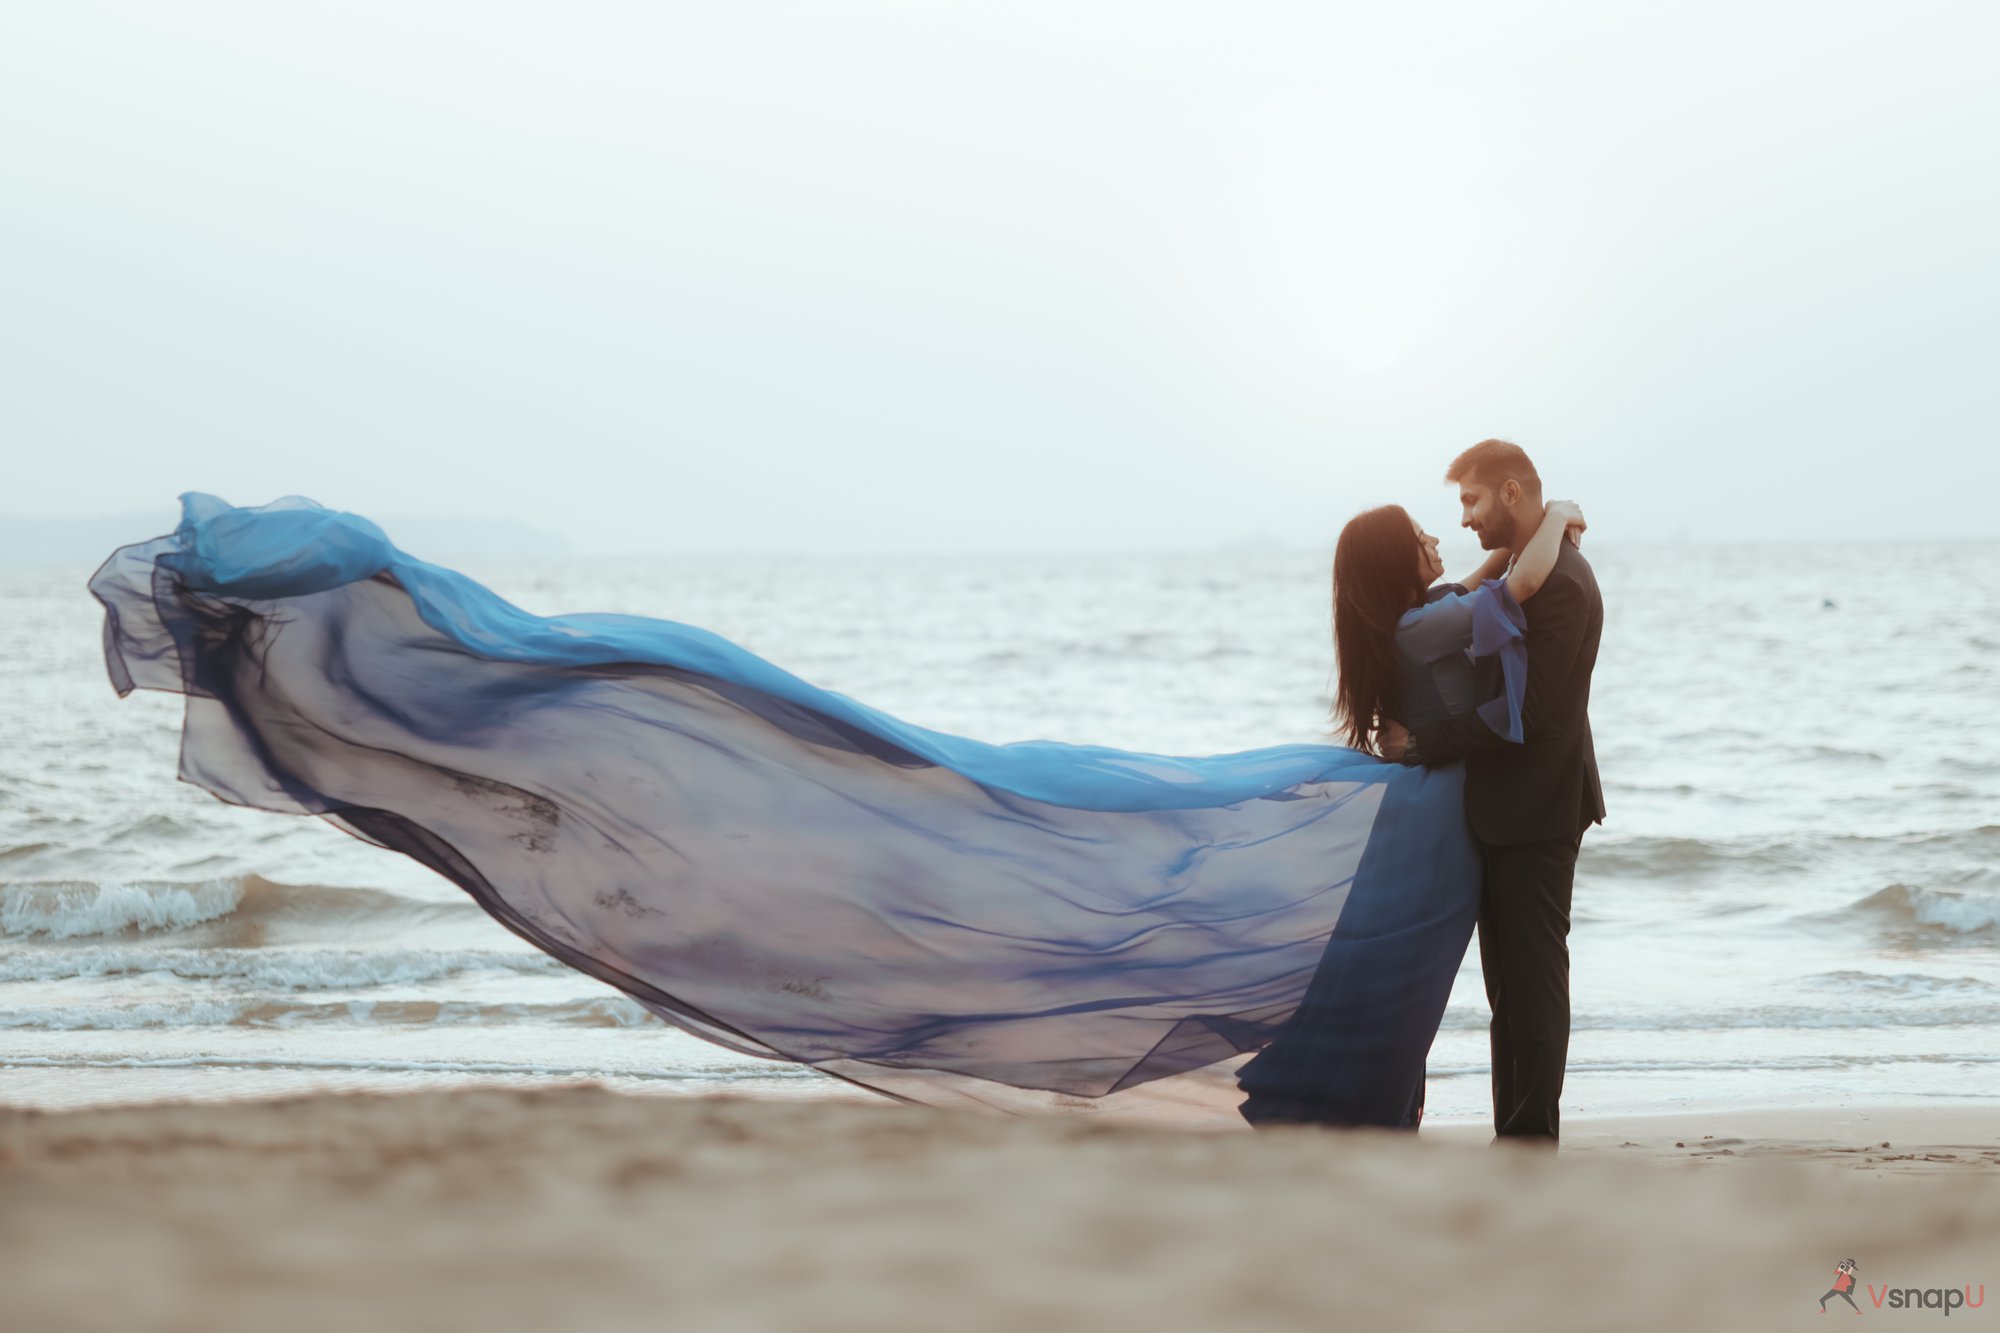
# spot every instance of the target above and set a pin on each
(1572, 568)
(1570, 588)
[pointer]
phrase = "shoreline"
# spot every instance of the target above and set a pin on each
(1907, 1137)
(1916, 1134)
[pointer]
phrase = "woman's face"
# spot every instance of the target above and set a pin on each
(1429, 568)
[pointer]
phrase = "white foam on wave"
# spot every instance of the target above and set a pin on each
(1960, 913)
(77, 909)
(64, 911)
(1965, 913)
(124, 1017)
(598, 1011)
(275, 969)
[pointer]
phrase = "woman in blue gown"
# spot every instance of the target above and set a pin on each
(772, 866)
(1355, 1051)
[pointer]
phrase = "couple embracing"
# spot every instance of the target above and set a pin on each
(784, 871)
(1487, 684)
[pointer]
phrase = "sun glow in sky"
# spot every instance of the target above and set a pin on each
(890, 275)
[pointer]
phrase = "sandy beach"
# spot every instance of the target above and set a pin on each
(582, 1208)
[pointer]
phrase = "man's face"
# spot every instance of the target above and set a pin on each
(1482, 509)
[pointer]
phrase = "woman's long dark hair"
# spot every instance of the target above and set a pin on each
(1375, 580)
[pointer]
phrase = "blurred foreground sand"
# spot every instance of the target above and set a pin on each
(584, 1209)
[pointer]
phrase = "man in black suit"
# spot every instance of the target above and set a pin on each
(1528, 804)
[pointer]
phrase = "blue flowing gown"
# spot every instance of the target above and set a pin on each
(775, 867)
(1354, 1053)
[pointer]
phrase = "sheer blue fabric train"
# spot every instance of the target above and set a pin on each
(775, 867)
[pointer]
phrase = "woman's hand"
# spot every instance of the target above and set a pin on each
(1572, 515)
(1561, 520)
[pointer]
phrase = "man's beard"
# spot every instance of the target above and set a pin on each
(1499, 534)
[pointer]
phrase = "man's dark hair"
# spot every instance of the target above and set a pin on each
(1491, 462)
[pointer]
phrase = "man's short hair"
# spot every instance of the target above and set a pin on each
(1491, 462)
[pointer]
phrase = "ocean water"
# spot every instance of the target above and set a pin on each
(1795, 898)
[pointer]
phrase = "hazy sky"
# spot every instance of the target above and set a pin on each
(929, 275)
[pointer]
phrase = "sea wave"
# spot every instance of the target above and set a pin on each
(1950, 850)
(274, 969)
(1937, 909)
(1785, 1016)
(737, 1068)
(1757, 1064)
(71, 910)
(74, 909)
(597, 1011)
(1900, 985)
(1646, 858)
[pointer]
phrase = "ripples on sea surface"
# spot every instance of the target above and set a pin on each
(1796, 897)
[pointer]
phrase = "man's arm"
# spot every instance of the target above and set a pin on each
(1556, 628)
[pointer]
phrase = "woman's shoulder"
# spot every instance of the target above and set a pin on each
(1441, 625)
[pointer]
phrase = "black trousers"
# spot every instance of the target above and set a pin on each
(1524, 951)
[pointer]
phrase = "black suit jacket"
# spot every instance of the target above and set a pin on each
(1545, 788)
